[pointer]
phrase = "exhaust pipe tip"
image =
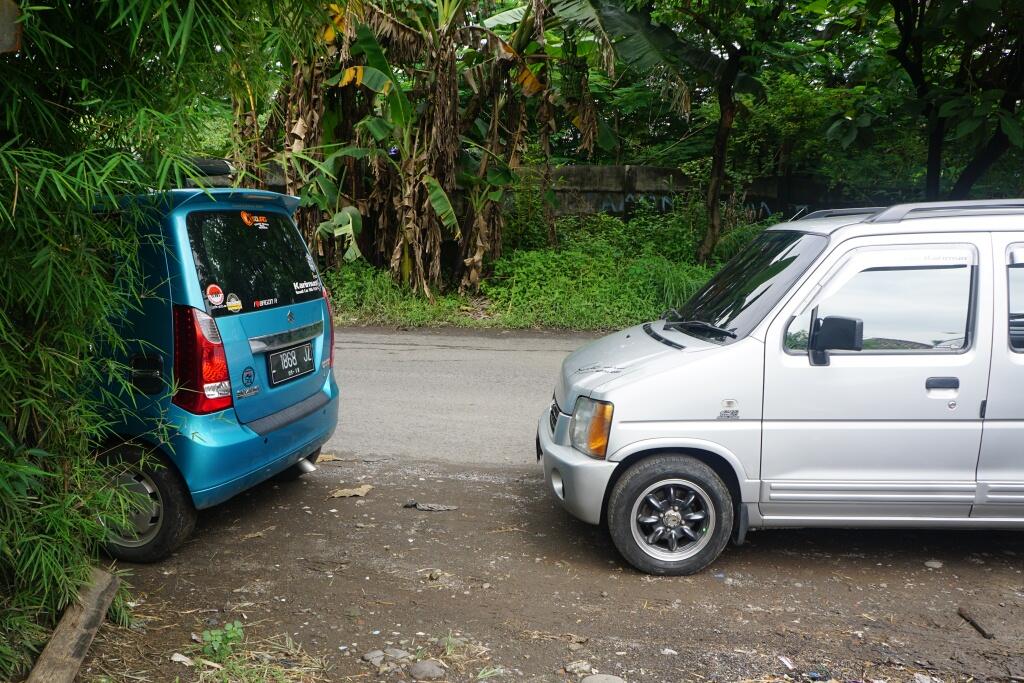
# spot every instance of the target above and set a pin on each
(306, 466)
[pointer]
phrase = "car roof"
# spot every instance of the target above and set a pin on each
(1002, 214)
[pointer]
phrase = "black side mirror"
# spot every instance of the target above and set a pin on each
(835, 333)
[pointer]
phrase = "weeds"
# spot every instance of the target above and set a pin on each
(606, 274)
(228, 656)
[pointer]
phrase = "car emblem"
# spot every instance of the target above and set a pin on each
(291, 317)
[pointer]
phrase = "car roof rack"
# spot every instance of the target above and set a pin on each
(826, 213)
(901, 212)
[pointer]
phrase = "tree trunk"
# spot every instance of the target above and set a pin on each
(982, 161)
(726, 118)
(936, 138)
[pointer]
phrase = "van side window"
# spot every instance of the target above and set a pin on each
(1015, 284)
(920, 308)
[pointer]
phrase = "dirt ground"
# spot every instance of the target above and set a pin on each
(512, 572)
(510, 586)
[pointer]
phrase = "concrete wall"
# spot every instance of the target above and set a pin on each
(620, 190)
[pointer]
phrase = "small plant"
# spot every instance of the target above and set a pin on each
(219, 643)
(489, 672)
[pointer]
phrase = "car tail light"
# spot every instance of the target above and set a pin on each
(200, 366)
(330, 327)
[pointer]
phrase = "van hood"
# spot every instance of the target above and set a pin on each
(618, 355)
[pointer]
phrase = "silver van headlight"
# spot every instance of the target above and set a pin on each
(590, 425)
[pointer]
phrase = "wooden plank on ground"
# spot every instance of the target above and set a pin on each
(63, 655)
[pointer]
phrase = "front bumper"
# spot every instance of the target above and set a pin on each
(577, 481)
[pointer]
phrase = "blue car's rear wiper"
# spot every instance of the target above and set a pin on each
(700, 324)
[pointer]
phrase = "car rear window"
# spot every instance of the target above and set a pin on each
(249, 260)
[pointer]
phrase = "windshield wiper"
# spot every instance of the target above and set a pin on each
(700, 324)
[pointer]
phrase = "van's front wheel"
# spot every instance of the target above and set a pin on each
(670, 514)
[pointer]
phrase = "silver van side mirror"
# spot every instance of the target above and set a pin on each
(834, 333)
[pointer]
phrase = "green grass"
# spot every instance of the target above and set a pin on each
(606, 273)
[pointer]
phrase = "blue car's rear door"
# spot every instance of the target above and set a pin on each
(261, 285)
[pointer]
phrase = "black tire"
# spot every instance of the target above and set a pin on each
(172, 503)
(293, 472)
(670, 480)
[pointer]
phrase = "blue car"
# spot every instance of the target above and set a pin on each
(232, 353)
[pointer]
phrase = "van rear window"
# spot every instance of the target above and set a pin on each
(249, 260)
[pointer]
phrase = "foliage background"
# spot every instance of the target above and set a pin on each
(106, 99)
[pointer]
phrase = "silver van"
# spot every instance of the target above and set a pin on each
(856, 368)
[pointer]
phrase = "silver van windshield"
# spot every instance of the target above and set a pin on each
(731, 305)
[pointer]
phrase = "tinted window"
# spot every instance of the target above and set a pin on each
(903, 309)
(749, 285)
(247, 260)
(1015, 281)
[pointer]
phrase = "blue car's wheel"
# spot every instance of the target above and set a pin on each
(162, 515)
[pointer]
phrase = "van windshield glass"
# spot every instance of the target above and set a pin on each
(248, 260)
(748, 286)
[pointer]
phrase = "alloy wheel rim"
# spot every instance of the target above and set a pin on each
(672, 520)
(146, 514)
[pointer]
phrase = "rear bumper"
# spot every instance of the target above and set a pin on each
(220, 457)
(578, 482)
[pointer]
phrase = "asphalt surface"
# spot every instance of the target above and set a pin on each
(526, 591)
(445, 396)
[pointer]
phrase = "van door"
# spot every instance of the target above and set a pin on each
(261, 286)
(1001, 465)
(891, 432)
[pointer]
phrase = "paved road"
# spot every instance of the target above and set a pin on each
(449, 396)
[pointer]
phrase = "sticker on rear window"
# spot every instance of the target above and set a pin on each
(215, 294)
(234, 303)
(311, 262)
(254, 220)
(306, 286)
(260, 303)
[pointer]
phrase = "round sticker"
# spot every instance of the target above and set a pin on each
(215, 294)
(248, 376)
(234, 303)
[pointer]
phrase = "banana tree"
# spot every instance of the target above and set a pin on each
(408, 163)
(713, 42)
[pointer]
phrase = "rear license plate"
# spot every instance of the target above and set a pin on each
(291, 363)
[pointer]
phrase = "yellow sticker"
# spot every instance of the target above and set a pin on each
(234, 304)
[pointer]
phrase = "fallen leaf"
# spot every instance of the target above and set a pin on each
(435, 507)
(178, 657)
(212, 665)
(258, 534)
(358, 491)
(327, 457)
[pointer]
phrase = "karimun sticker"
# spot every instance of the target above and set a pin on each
(214, 294)
(306, 286)
(234, 303)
